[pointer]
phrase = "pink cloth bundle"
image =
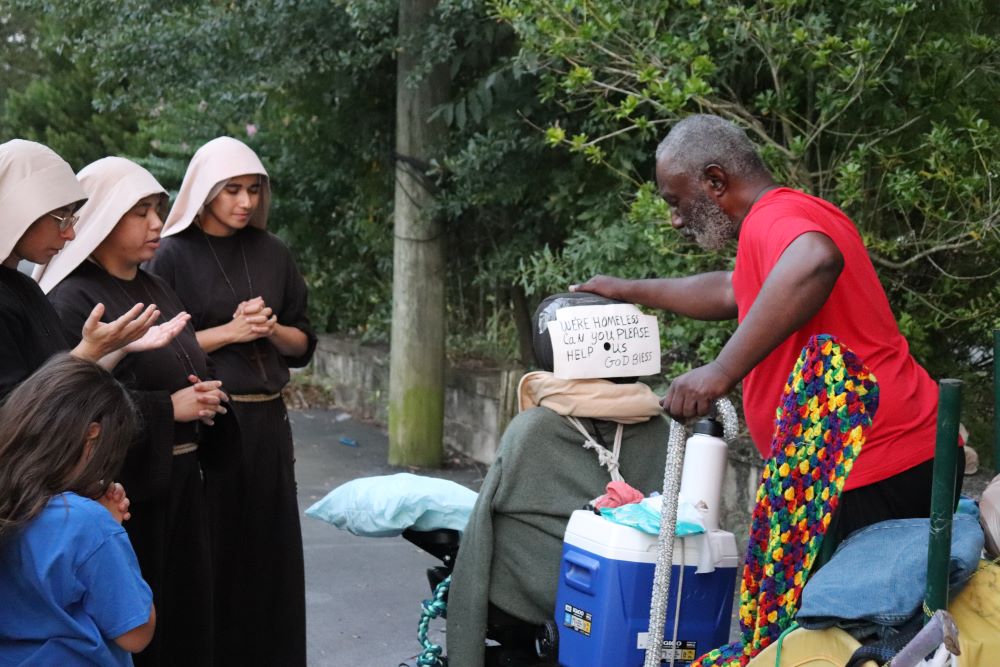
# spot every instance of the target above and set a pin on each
(618, 494)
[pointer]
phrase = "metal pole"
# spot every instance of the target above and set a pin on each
(943, 495)
(996, 400)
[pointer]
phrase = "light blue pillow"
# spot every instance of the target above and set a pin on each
(386, 506)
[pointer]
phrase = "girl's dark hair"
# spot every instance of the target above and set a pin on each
(44, 424)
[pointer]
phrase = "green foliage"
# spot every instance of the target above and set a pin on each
(48, 97)
(57, 111)
(313, 82)
(885, 107)
(20, 58)
(292, 79)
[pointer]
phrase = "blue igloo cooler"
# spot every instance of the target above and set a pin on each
(605, 588)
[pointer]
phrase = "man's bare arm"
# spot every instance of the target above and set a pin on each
(704, 296)
(795, 290)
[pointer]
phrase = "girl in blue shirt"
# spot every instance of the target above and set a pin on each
(70, 585)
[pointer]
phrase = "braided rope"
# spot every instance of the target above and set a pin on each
(826, 410)
(430, 656)
(605, 457)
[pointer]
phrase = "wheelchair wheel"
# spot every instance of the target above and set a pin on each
(547, 642)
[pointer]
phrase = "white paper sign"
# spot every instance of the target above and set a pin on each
(614, 340)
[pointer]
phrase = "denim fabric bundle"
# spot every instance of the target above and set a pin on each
(890, 594)
(825, 412)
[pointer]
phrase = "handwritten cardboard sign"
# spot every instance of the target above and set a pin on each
(614, 340)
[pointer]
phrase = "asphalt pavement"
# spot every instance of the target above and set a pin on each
(363, 594)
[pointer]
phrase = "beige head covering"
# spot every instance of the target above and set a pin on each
(213, 164)
(33, 181)
(114, 185)
(630, 403)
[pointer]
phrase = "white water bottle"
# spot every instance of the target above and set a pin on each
(704, 469)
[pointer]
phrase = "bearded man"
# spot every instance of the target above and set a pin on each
(801, 269)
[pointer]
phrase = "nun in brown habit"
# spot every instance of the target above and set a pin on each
(248, 303)
(39, 195)
(185, 426)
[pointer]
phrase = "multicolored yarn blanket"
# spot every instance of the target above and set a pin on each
(826, 409)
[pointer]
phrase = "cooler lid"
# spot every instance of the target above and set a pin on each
(593, 533)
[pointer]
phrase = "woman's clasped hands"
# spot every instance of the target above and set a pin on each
(203, 400)
(253, 319)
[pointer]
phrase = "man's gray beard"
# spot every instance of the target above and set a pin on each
(709, 225)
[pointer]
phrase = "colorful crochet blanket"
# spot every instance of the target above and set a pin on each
(826, 409)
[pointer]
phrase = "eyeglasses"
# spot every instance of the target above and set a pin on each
(65, 222)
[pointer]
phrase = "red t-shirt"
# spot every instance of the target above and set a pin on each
(857, 312)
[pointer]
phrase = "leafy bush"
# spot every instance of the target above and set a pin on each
(884, 107)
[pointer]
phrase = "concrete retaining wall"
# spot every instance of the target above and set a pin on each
(478, 405)
(478, 402)
(357, 375)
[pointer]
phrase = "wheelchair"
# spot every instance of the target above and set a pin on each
(512, 642)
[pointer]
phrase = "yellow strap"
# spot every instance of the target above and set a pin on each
(185, 448)
(253, 398)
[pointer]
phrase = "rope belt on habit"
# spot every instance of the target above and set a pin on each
(253, 398)
(185, 448)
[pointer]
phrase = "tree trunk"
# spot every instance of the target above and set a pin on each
(416, 370)
(522, 320)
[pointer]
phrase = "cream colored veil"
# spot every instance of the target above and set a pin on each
(213, 164)
(113, 185)
(33, 181)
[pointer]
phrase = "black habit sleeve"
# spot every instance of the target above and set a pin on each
(146, 471)
(30, 331)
